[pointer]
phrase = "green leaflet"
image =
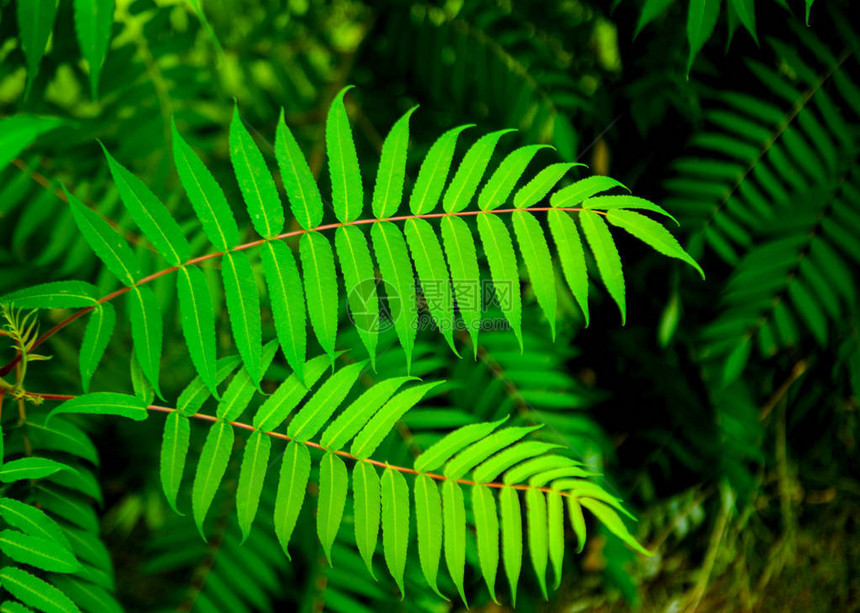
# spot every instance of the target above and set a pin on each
(288, 303)
(174, 451)
(35, 24)
(652, 233)
(251, 478)
(536, 190)
(572, 256)
(465, 274)
(440, 452)
(193, 396)
(487, 532)
(502, 182)
(701, 19)
(149, 213)
(322, 405)
(86, 594)
(428, 519)
(300, 185)
(33, 591)
(745, 11)
(359, 413)
(347, 190)
(35, 551)
(61, 435)
(93, 23)
(55, 295)
(205, 195)
(490, 469)
(503, 269)
(555, 521)
(388, 190)
(576, 193)
(241, 389)
(537, 533)
(210, 470)
(610, 203)
(11, 606)
(606, 255)
(146, 332)
(360, 285)
(512, 537)
(31, 520)
(394, 264)
(581, 487)
(433, 274)
(18, 131)
(332, 499)
(243, 306)
(535, 252)
(139, 384)
(255, 181)
(480, 450)
(577, 521)
(277, 407)
(808, 8)
(105, 242)
(470, 172)
(454, 522)
(292, 486)
(366, 499)
(198, 322)
(613, 522)
(378, 427)
(30, 468)
(96, 337)
(104, 403)
(395, 524)
(434, 172)
(320, 280)
(650, 11)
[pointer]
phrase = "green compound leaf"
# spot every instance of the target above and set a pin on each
(105, 242)
(346, 187)
(367, 501)
(35, 592)
(210, 471)
(104, 403)
(503, 269)
(360, 285)
(434, 172)
(535, 252)
(288, 303)
(651, 233)
(96, 338)
(302, 190)
(465, 273)
(389, 246)
(428, 519)
(395, 524)
(198, 322)
(572, 256)
(35, 24)
(252, 475)
(536, 190)
(146, 332)
(292, 488)
(502, 182)
(149, 213)
(320, 281)
(35, 551)
(255, 181)
(606, 256)
(433, 274)
(243, 307)
(487, 532)
(388, 189)
(93, 24)
(205, 195)
(463, 186)
(174, 452)
(332, 499)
